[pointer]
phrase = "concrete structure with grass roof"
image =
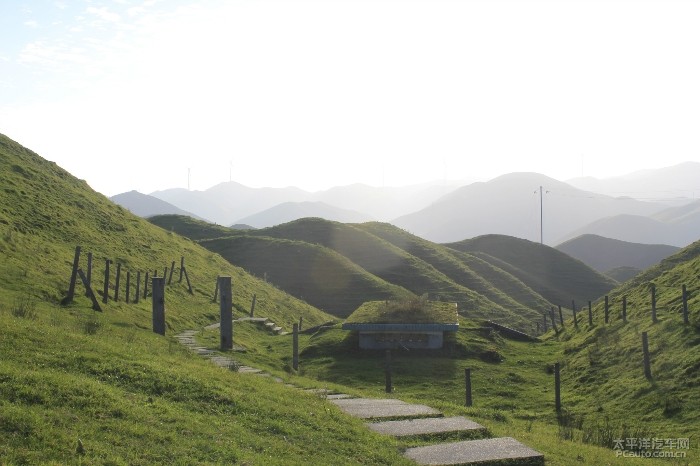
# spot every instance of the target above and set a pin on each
(413, 324)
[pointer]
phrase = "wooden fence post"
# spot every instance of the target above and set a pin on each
(159, 305)
(544, 321)
(116, 281)
(624, 309)
(685, 305)
(468, 386)
(554, 322)
(216, 289)
(301, 322)
(187, 278)
(88, 273)
(561, 317)
(295, 347)
(172, 269)
(252, 305)
(88, 290)
(138, 287)
(105, 296)
(573, 307)
(590, 314)
(645, 350)
(557, 388)
(607, 309)
(226, 313)
(128, 286)
(653, 304)
(182, 268)
(145, 286)
(73, 275)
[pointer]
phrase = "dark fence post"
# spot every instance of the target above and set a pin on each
(590, 314)
(128, 286)
(138, 287)
(624, 309)
(172, 269)
(226, 313)
(573, 307)
(105, 296)
(544, 321)
(607, 309)
(88, 290)
(561, 317)
(159, 305)
(301, 322)
(216, 289)
(145, 286)
(187, 278)
(557, 388)
(554, 322)
(645, 350)
(182, 268)
(685, 305)
(387, 371)
(653, 303)
(88, 273)
(295, 347)
(252, 305)
(116, 281)
(73, 275)
(468, 386)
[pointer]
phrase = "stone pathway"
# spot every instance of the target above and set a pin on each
(397, 418)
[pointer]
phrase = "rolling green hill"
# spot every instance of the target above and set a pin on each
(85, 387)
(319, 275)
(554, 275)
(389, 263)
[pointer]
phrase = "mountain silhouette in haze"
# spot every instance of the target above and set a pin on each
(146, 206)
(605, 254)
(510, 205)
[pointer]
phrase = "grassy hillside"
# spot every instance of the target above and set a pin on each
(554, 275)
(440, 272)
(78, 386)
(465, 269)
(190, 227)
(311, 272)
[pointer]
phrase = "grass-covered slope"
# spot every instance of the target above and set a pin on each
(190, 227)
(465, 269)
(442, 276)
(554, 275)
(317, 274)
(603, 363)
(79, 386)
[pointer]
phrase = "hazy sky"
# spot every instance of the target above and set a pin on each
(134, 94)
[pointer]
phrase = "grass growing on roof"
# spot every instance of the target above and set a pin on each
(410, 311)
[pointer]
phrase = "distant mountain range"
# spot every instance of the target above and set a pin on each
(605, 254)
(146, 206)
(508, 205)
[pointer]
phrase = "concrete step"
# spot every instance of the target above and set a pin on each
(475, 451)
(426, 426)
(373, 408)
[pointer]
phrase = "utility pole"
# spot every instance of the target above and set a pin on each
(541, 229)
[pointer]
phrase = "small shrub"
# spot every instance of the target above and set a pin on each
(24, 308)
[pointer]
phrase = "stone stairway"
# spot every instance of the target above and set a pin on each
(415, 420)
(400, 419)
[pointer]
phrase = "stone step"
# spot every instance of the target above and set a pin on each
(426, 426)
(474, 451)
(249, 370)
(377, 408)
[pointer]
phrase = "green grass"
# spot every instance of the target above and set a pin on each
(414, 311)
(132, 397)
(81, 387)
